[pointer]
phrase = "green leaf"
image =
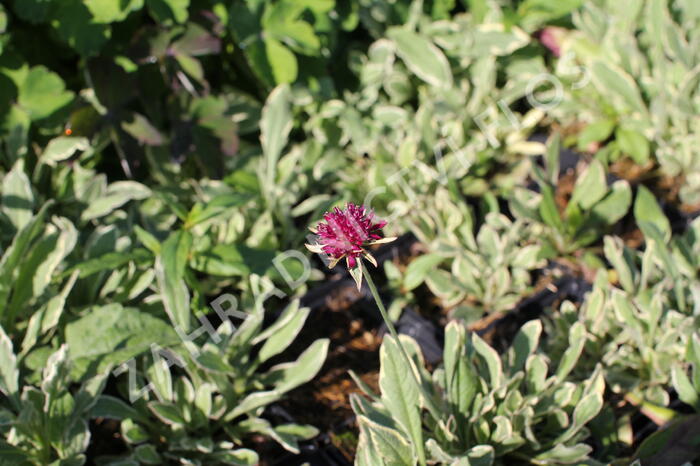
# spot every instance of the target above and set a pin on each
(253, 401)
(419, 268)
(168, 12)
(391, 446)
(577, 338)
(147, 454)
(290, 375)
(563, 454)
(76, 26)
(33, 11)
(118, 194)
(524, 344)
(217, 207)
(170, 273)
(9, 264)
(686, 391)
(110, 407)
(42, 93)
(142, 130)
(591, 186)
(38, 266)
(615, 204)
(492, 360)
(588, 408)
(9, 373)
(646, 209)
(62, 148)
(112, 334)
(548, 209)
(421, 56)
(597, 131)
(634, 144)
(283, 332)
(617, 85)
(17, 197)
(400, 394)
(618, 255)
(275, 125)
(231, 260)
(281, 61)
(167, 413)
(112, 11)
(460, 379)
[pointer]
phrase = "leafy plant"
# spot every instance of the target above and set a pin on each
(593, 205)
(487, 271)
(489, 408)
(636, 338)
(44, 424)
(216, 394)
(642, 69)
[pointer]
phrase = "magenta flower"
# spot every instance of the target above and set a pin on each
(346, 233)
(552, 38)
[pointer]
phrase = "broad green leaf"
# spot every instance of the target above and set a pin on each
(9, 264)
(586, 409)
(17, 197)
(492, 360)
(686, 391)
(37, 269)
(422, 57)
(617, 254)
(168, 12)
(63, 148)
(158, 374)
(77, 28)
(646, 209)
(42, 93)
(112, 11)
(615, 204)
(391, 446)
(170, 273)
(167, 413)
(33, 11)
(598, 131)
(617, 85)
(563, 454)
(275, 125)
(9, 373)
(591, 186)
(217, 207)
(400, 394)
(281, 334)
(112, 334)
(147, 454)
(118, 194)
(460, 379)
(525, 343)
(142, 130)
(577, 338)
(548, 209)
(634, 144)
(254, 401)
(292, 374)
(419, 268)
(110, 407)
(281, 61)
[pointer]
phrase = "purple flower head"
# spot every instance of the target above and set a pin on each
(346, 233)
(552, 38)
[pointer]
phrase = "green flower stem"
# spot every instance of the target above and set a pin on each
(430, 404)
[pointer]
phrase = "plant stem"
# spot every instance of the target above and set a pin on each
(429, 403)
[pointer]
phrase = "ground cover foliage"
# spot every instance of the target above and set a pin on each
(162, 160)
